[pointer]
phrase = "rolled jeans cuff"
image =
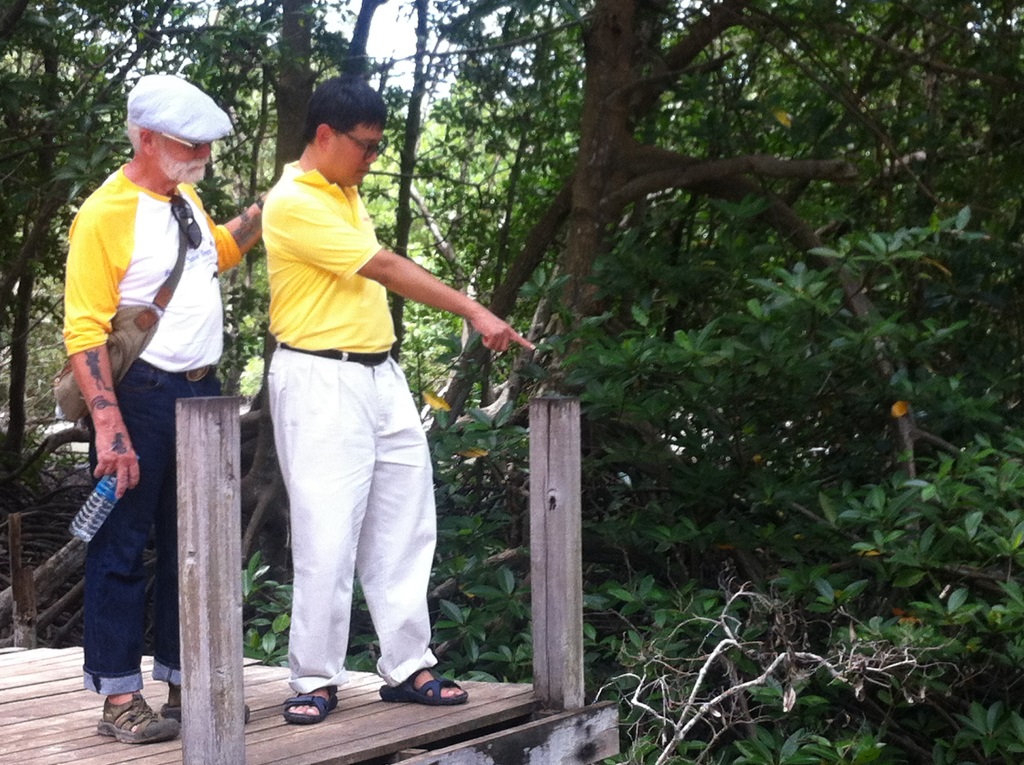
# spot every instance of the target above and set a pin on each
(112, 686)
(165, 674)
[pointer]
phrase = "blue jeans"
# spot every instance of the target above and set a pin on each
(115, 578)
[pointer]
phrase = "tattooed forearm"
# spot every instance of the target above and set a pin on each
(119, 446)
(92, 361)
(247, 227)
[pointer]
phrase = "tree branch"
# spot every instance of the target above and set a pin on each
(700, 35)
(10, 18)
(689, 172)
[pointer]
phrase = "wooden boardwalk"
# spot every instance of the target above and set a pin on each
(46, 718)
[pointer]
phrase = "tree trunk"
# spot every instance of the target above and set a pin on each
(410, 139)
(295, 83)
(14, 440)
(10, 17)
(356, 62)
(608, 47)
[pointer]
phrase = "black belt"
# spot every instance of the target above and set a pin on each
(366, 359)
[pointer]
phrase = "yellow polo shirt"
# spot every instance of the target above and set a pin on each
(318, 235)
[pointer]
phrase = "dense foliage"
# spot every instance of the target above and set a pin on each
(771, 246)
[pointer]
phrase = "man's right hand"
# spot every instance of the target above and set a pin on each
(114, 454)
(114, 451)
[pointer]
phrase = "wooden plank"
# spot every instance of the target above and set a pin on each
(14, 676)
(32, 690)
(55, 723)
(556, 573)
(17, 681)
(368, 728)
(209, 580)
(12, 655)
(583, 737)
(368, 732)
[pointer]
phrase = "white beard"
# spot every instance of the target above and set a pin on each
(191, 171)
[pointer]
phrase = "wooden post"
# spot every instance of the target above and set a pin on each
(22, 588)
(556, 567)
(210, 580)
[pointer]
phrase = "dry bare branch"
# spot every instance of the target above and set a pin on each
(704, 692)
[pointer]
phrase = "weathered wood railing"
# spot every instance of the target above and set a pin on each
(556, 555)
(210, 563)
(209, 576)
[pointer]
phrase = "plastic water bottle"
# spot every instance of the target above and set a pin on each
(96, 509)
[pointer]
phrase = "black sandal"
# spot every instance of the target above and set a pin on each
(323, 706)
(429, 693)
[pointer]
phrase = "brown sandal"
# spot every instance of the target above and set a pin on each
(173, 712)
(172, 709)
(134, 722)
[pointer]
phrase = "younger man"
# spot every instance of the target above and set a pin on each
(351, 446)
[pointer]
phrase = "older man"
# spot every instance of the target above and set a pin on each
(124, 242)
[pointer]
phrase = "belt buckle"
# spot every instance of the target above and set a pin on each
(195, 375)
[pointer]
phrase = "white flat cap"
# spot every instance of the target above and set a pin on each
(168, 104)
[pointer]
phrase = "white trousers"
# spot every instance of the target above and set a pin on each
(356, 465)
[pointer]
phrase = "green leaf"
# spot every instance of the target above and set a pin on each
(828, 508)
(963, 218)
(507, 580)
(1017, 536)
(622, 594)
(640, 316)
(268, 643)
(908, 577)
(824, 589)
(957, 599)
(452, 611)
(973, 522)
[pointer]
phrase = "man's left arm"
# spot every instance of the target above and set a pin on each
(413, 282)
(247, 227)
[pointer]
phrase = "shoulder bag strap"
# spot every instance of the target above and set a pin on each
(146, 319)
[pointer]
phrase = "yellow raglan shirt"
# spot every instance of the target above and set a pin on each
(318, 235)
(122, 245)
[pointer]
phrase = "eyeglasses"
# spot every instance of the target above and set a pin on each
(190, 144)
(182, 213)
(370, 148)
